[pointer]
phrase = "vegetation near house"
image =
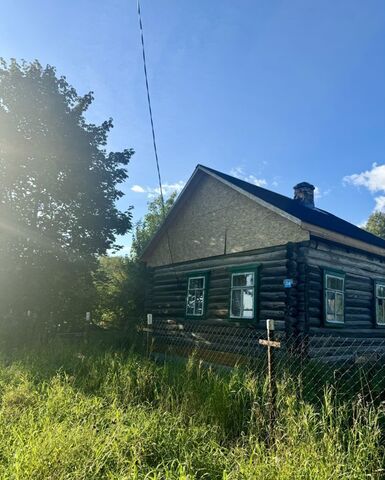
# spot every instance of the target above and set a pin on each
(146, 228)
(91, 414)
(121, 281)
(120, 285)
(376, 224)
(59, 188)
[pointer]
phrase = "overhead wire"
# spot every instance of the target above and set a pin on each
(149, 106)
(153, 128)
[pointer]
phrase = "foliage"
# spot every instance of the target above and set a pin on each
(117, 416)
(120, 285)
(146, 228)
(121, 281)
(58, 193)
(376, 224)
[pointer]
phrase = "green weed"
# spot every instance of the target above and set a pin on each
(70, 412)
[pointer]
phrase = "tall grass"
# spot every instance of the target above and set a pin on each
(74, 413)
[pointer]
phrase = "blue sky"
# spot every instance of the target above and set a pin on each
(275, 91)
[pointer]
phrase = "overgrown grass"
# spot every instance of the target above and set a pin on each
(78, 413)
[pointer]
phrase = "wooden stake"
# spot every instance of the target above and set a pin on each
(270, 343)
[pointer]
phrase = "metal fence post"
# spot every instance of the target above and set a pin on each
(148, 336)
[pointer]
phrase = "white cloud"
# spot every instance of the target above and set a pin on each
(373, 180)
(137, 189)
(238, 172)
(318, 193)
(380, 203)
(168, 189)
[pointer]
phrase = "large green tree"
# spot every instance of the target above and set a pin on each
(146, 228)
(59, 188)
(376, 224)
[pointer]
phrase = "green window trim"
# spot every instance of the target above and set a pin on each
(334, 298)
(200, 288)
(237, 287)
(379, 303)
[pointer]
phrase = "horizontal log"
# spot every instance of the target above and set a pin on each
(348, 252)
(364, 311)
(274, 314)
(261, 255)
(274, 296)
(348, 332)
(267, 271)
(326, 340)
(348, 264)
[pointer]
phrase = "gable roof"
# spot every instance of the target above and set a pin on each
(281, 204)
(315, 216)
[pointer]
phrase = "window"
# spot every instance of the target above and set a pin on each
(380, 302)
(242, 300)
(196, 295)
(334, 297)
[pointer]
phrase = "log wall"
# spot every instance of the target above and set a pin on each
(166, 299)
(361, 270)
(298, 311)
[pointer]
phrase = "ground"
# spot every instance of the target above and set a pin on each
(91, 412)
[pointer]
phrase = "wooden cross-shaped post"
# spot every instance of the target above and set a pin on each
(270, 343)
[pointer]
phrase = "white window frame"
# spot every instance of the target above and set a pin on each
(232, 289)
(338, 276)
(197, 277)
(376, 297)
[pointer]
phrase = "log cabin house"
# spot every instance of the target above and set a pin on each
(231, 255)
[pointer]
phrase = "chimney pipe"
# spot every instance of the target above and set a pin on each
(304, 194)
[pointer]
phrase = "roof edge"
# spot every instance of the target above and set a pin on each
(162, 225)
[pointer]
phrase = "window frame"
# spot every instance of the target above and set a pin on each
(191, 276)
(341, 276)
(244, 270)
(377, 283)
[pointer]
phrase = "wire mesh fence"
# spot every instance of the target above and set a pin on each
(349, 365)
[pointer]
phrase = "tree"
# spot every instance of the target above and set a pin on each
(376, 224)
(120, 284)
(146, 228)
(121, 281)
(59, 188)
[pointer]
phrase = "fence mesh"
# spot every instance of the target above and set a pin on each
(349, 365)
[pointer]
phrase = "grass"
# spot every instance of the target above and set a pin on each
(82, 413)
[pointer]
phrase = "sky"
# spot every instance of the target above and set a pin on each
(272, 91)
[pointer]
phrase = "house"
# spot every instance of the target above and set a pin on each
(231, 255)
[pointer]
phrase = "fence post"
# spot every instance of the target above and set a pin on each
(148, 338)
(271, 344)
(271, 377)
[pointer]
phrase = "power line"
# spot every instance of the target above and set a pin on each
(153, 132)
(150, 109)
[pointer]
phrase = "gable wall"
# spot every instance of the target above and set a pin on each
(218, 220)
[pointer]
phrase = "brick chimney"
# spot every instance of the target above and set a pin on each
(304, 194)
